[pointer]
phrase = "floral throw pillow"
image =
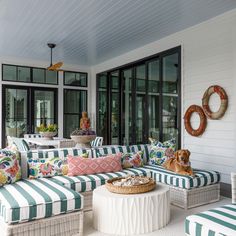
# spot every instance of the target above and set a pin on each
(10, 170)
(50, 167)
(160, 152)
(133, 159)
(47, 167)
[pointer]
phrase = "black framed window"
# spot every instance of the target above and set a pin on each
(75, 102)
(25, 108)
(143, 98)
(28, 74)
(79, 79)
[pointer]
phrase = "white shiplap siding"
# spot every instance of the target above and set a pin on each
(208, 58)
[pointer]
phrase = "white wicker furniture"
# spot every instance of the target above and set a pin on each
(66, 143)
(189, 198)
(132, 214)
(62, 225)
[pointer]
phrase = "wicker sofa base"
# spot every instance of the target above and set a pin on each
(70, 224)
(180, 197)
(186, 199)
(88, 200)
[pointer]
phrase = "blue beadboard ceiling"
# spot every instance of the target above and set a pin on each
(89, 32)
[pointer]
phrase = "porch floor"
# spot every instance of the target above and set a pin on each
(174, 228)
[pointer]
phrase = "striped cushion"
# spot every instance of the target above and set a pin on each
(21, 144)
(84, 183)
(216, 222)
(124, 149)
(27, 200)
(97, 142)
(60, 152)
(202, 177)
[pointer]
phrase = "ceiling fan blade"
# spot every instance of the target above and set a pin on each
(56, 66)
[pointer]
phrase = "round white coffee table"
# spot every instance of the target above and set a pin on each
(131, 214)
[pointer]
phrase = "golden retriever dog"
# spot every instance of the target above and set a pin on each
(180, 163)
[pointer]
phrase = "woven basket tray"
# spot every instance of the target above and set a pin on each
(142, 188)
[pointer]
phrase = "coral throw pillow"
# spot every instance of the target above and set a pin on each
(132, 159)
(82, 166)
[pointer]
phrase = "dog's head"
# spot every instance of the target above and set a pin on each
(182, 157)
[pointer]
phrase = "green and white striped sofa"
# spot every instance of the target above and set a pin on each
(40, 207)
(185, 191)
(219, 221)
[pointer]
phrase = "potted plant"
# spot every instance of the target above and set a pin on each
(83, 137)
(48, 131)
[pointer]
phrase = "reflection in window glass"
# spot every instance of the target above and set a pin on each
(101, 126)
(75, 102)
(115, 103)
(23, 74)
(169, 117)
(51, 77)
(44, 107)
(170, 73)
(9, 73)
(153, 76)
(38, 75)
(127, 107)
(16, 112)
(140, 78)
(75, 79)
(153, 99)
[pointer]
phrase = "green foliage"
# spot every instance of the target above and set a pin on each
(48, 128)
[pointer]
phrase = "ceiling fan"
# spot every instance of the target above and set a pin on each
(58, 65)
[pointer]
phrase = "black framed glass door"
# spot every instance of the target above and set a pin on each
(25, 108)
(146, 100)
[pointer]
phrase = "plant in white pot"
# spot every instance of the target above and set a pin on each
(48, 131)
(83, 136)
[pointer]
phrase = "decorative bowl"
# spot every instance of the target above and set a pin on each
(83, 141)
(48, 135)
(135, 189)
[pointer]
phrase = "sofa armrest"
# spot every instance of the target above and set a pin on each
(24, 165)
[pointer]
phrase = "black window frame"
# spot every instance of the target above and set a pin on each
(30, 104)
(31, 74)
(70, 89)
(75, 72)
(132, 66)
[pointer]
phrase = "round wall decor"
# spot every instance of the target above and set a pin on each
(224, 102)
(203, 120)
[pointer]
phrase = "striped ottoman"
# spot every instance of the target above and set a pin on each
(39, 202)
(215, 222)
